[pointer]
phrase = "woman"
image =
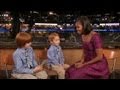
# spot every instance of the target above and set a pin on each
(93, 64)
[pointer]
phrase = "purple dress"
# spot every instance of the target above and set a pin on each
(98, 70)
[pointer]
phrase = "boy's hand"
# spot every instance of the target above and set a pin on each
(66, 66)
(38, 69)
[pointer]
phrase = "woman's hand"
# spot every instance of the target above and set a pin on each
(79, 65)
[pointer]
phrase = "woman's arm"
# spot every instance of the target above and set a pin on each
(79, 63)
(97, 58)
(82, 57)
(97, 43)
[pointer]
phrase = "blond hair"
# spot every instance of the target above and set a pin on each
(52, 36)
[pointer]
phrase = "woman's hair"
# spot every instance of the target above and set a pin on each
(85, 22)
(22, 38)
(52, 36)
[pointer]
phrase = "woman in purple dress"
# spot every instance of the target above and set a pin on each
(93, 63)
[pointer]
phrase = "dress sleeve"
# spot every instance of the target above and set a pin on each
(97, 42)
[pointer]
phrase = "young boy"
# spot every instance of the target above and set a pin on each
(26, 66)
(55, 56)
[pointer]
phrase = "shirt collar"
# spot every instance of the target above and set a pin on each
(55, 46)
(23, 50)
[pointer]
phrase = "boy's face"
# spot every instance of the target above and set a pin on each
(56, 41)
(27, 45)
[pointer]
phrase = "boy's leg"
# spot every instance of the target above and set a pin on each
(60, 70)
(24, 76)
(41, 75)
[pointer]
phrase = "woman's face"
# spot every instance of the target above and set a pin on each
(79, 27)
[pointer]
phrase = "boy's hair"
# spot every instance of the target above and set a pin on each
(22, 38)
(52, 36)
